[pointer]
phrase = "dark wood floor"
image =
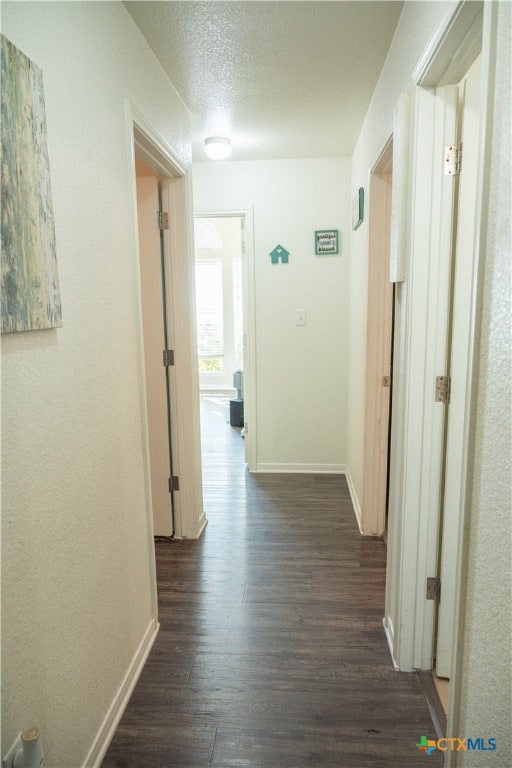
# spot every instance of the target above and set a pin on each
(271, 652)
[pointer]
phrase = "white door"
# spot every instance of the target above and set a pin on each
(379, 342)
(457, 416)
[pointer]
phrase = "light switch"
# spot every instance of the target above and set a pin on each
(300, 317)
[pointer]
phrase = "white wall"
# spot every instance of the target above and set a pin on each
(78, 591)
(301, 371)
(486, 690)
(416, 26)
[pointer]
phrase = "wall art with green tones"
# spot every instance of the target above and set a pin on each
(30, 285)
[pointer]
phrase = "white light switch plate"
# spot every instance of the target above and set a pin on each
(300, 317)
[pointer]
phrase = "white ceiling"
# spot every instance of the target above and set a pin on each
(281, 79)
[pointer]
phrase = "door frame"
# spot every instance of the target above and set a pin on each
(455, 460)
(153, 271)
(488, 73)
(420, 344)
(466, 30)
(190, 519)
(378, 347)
(249, 326)
(422, 316)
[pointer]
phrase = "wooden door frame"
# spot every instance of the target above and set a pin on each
(249, 323)
(190, 519)
(378, 347)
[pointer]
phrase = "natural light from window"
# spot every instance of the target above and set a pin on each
(210, 316)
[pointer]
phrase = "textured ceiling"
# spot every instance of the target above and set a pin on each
(281, 79)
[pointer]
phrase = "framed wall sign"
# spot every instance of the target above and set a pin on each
(326, 241)
(358, 208)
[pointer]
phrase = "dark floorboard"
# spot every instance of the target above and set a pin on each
(271, 652)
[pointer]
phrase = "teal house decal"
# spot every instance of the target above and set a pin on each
(279, 253)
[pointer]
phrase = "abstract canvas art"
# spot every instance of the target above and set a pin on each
(30, 285)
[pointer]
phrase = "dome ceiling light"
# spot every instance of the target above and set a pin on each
(217, 147)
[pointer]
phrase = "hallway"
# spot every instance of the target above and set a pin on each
(271, 652)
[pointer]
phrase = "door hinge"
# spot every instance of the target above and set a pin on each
(443, 387)
(163, 220)
(386, 381)
(174, 483)
(168, 355)
(452, 159)
(433, 588)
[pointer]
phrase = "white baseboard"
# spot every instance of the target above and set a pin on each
(388, 629)
(355, 500)
(203, 522)
(111, 720)
(323, 469)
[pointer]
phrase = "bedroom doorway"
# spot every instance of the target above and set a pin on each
(225, 321)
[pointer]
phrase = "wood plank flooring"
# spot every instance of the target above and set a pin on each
(271, 652)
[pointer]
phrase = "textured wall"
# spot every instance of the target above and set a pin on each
(78, 591)
(301, 371)
(486, 673)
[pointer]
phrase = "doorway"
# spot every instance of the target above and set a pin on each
(163, 164)
(218, 270)
(224, 271)
(379, 346)
(157, 340)
(422, 350)
(219, 244)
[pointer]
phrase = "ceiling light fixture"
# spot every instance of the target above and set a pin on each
(217, 147)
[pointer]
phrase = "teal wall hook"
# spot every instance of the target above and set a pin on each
(279, 253)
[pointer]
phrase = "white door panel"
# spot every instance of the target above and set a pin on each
(459, 371)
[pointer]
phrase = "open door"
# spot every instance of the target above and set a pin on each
(156, 341)
(421, 265)
(379, 345)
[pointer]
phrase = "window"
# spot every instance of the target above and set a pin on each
(210, 311)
